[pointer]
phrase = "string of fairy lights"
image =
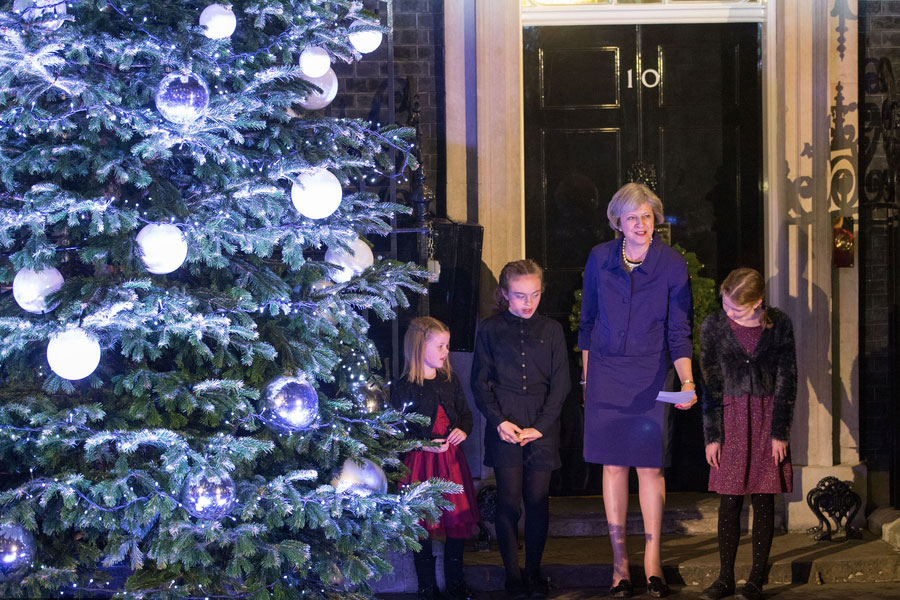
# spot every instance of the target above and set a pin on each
(290, 403)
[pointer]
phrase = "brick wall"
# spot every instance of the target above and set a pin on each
(418, 47)
(879, 36)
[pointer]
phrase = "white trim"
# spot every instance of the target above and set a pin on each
(773, 155)
(644, 14)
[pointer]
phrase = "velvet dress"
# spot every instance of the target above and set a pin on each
(634, 326)
(444, 402)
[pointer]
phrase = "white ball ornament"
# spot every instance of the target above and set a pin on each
(317, 193)
(32, 10)
(351, 262)
(328, 83)
(182, 97)
(315, 61)
(73, 354)
(162, 247)
(218, 21)
(360, 479)
(31, 288)
(366, 40)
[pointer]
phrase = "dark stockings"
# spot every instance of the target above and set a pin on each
(515, 484)
(730, 532)
(423, 560)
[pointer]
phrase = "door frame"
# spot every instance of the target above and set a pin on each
(763, 12)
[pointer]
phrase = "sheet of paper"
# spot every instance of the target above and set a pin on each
(675, 397)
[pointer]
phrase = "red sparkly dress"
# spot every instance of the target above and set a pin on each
(746, 465)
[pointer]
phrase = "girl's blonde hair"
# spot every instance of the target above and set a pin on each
(630, 197)
(511, 270)
(417, 334)
(745, 286)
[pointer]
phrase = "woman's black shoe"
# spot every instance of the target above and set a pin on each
(717, 590)
(657, 588)
(623, 589)
(750, 591)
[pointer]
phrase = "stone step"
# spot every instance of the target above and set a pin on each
(685, 512)
(586, 562)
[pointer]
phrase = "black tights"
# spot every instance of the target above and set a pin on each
(730, 532)
(515, 484)
(423, 560)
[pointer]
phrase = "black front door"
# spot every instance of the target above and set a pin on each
(683, 99)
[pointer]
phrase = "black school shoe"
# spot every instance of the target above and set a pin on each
(657, 588)
(538, 586)
(623, 589)
(750, 591)
(517, 589)
(717, 591)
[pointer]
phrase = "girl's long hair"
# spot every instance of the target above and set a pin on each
(510, 271)
(745, 286)
(418, 332)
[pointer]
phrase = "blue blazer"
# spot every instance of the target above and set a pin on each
(644, 313)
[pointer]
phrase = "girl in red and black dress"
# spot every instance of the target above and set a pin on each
(749, 365)
(428, 387)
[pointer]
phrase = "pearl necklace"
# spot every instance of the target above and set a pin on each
(633, 263)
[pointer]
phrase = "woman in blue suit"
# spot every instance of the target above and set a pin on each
(635, 322)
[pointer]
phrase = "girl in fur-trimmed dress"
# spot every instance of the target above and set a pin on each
(430, 388)
(749, 365)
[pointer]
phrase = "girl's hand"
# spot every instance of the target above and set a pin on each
(529, 434)
(509, 432)
(437, 449)
(713, 453)
(456, 437)
(779, 451)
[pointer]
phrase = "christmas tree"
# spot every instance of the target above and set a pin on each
(184, 360)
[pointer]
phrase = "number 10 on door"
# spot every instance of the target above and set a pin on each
(649, 78)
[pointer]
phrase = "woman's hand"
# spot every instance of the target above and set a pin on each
(509, 432)
(688, 386)
(683, 368)
(529, 434)
(437, 449)
(713, 453)
(779, 451)
(457, 437)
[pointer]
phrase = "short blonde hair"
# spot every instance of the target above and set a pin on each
(417, 334)
(630, 197)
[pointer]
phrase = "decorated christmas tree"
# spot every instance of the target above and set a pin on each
(184, 366)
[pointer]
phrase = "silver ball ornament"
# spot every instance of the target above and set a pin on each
(291, 404)
(360, 479)
(182, 97)
(208, 496)
(16, 551)
(375, 398)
